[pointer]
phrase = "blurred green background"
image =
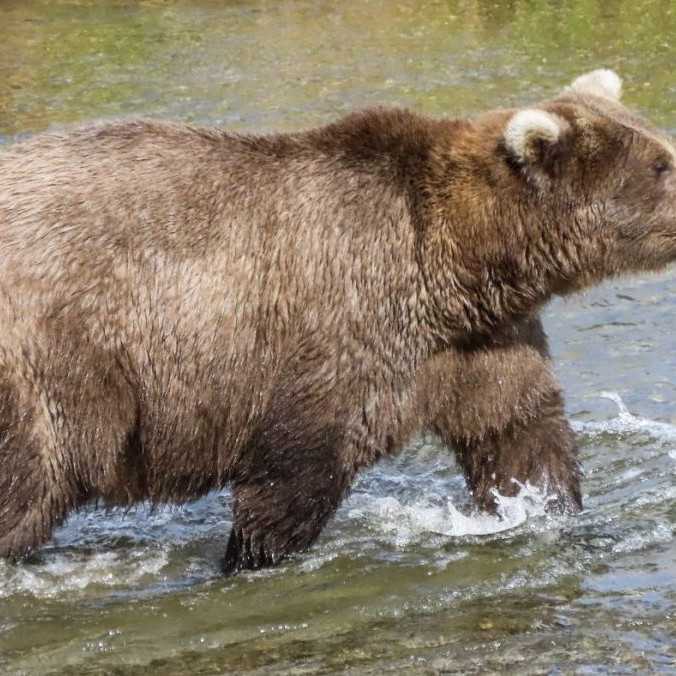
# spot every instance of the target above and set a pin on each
(294, 63)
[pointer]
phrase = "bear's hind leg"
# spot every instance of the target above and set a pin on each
(35, 494)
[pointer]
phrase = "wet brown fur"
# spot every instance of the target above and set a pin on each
(182, 308)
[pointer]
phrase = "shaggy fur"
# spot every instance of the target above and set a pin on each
(182, 308)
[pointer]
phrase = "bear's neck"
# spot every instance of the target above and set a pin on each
(492, 253)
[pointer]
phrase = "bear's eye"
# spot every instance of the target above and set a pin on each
(662, 167)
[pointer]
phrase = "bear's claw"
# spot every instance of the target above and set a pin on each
(245, 553)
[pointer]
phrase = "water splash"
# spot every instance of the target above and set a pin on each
(626, 423)
(77, 571)
(407, 522)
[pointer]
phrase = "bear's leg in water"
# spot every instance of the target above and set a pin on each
(507, 421)
(295, 470)
(540, 451)
(35, 490)
(285, 495)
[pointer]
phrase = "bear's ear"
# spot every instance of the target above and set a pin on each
(603, 82)
(532, 135)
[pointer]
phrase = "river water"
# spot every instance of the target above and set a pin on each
(406, 579)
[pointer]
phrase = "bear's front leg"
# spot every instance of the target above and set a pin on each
(539, 450)
(502, 410)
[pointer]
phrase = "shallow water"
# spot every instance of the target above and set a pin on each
(406, 578)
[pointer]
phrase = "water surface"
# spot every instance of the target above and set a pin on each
(405, 579)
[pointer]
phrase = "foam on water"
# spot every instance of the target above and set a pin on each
(626, 423)
(75, 572)
(660, 532)
(406, 522)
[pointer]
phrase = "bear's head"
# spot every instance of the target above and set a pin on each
(610, 175)
(552, 198)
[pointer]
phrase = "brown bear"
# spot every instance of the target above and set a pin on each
(182, 308)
